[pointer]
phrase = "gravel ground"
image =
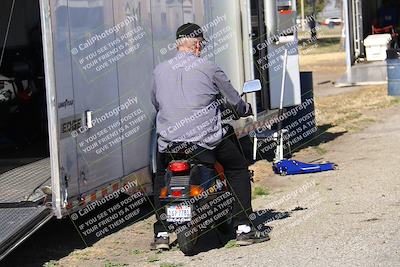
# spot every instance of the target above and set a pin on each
(352, 216)
(349, 217)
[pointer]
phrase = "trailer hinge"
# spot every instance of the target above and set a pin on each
(66, 180)
(64, 189)
(65, 176)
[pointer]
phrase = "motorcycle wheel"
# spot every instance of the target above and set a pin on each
(226, 226)
(225, 231)
(187, 240)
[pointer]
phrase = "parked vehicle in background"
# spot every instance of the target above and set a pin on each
(331, 22)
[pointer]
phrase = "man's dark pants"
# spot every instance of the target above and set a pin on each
(236, 171)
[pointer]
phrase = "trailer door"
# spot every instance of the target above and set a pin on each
(95, 88)
(84, 102)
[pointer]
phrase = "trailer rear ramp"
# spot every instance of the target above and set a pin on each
(22, 203)
(370, 73)
(18, 224)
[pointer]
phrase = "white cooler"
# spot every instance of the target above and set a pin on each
(376, 46)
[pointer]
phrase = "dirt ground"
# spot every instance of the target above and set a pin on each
(347, 217)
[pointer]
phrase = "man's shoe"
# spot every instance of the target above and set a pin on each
(160, 243)
(252, 237)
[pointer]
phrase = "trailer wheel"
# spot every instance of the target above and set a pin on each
(187, 239)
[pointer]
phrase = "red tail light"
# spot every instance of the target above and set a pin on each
(176, 193)
(179, 166)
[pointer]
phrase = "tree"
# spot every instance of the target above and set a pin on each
(311, 9)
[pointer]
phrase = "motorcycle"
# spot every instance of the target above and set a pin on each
(196, 197)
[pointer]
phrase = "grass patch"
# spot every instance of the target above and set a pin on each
(395, 101)
(348, 111)
(175, 248)
(322, 32)
(322, 46)
(136, 251)
(109, 263)
(167, 264)
(259, 192)
(81, 254)
(231, 244)
(320, 151)
(318, 62)
(153, 258)
(51, 263)
(368, 120)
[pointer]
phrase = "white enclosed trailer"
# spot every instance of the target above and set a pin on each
(98, 57)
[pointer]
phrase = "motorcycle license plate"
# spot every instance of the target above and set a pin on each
(179, 213)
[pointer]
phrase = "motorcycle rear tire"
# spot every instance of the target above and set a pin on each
(225, 231)
(187, 240)
(226, 225)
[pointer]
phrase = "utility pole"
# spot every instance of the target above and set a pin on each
(313, 22)
(346, 19)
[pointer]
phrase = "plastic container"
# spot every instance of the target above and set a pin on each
(376, 46)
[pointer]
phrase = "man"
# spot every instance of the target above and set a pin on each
(185, 93)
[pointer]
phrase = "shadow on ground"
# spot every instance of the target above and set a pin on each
(214, 238)
(321, 136)
(58, 238)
